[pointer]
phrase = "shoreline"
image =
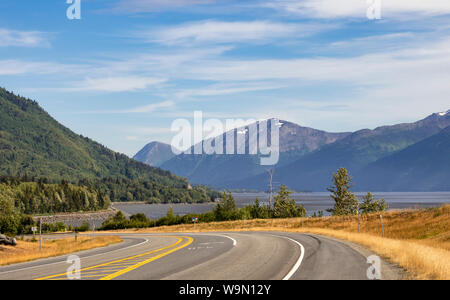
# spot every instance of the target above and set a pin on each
(77, 218)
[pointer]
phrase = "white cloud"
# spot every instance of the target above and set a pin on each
(376, 41)
(150, 107)
(430, 61)
(116, 84)
(211, 31)
(150, 130)
(358, 8)
(20, 67)
(376, 85)
(16, 38)
(218, 90)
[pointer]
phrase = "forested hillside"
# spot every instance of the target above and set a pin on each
(42, 198)
(34, 145)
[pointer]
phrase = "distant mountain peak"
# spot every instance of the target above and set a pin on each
(155, 153)
(444, 113)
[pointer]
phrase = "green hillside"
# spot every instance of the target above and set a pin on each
(426, 162)
(32, 143)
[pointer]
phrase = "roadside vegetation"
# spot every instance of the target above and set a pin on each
(38, 196)
(28, 250)
(346, 203)
(225, 210)
(22, 197)
(417, 240)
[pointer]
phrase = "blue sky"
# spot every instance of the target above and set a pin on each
(124, 72)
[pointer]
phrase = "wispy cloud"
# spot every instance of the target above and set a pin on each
(117, 84)
(16, 38)
(149, 108)
(426, 60)
(211, 31)
(358, 8)
(221, 89)
(25, 67)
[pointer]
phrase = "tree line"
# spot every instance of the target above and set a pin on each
(346, 203)
(42, 197)
(126, 190)
(226, 210)
(19, 199)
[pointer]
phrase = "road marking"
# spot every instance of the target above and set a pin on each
(211, 243)
(234, 241)
(223, 235)
(129, 269)
(199, 248)
(64, 262)
(299, 261)
(125, 262)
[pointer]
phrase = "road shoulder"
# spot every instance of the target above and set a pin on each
(389, 270)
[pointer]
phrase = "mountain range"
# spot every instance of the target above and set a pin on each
(387, 158)
(223, 170)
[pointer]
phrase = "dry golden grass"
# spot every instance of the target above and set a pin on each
(423, 262)
(27, 251)
(417, 240)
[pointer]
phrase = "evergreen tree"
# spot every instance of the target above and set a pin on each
(170, 215)
(285, 207)
(258, 211)
(226, 209)
(346, 203)
(370, 205)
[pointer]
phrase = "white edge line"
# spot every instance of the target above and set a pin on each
(220, 235)
(60, 262)
(234, 241)
(299, 261)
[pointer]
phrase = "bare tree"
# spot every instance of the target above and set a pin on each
(271, 172)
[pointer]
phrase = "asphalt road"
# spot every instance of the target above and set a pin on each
(208, 256)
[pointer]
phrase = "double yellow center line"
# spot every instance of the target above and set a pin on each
(116, 268)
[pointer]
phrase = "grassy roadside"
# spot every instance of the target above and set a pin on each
(28, 251)
(417, 240)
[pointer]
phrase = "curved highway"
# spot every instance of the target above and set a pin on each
(206, 256)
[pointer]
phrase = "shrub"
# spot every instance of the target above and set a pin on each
(285, 207)
(84, 227)
(370, 205)
(226, 209)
